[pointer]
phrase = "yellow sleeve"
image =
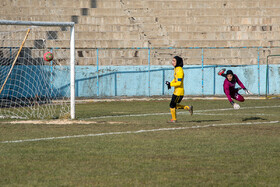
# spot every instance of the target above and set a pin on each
(178, 79)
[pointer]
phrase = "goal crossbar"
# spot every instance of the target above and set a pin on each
(36, 23)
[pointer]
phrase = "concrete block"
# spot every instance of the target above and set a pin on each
(269, 4)
(109, 4)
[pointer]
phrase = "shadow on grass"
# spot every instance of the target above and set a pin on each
(253, 118)
(201, 121)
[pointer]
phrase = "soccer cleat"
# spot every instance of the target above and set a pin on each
(191, 110)
(172, 121)
(222, 71)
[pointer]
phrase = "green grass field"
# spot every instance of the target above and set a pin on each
(217, 146)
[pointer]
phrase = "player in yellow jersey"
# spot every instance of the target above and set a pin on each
(178, 84)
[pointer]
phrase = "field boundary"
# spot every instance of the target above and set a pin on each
(155, 98)
(138, 131)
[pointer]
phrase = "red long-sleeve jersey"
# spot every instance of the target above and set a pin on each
(229, 87)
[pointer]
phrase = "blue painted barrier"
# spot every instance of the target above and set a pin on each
(133, 80)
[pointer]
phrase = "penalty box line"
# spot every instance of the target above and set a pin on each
(138, 131)
(195, 112)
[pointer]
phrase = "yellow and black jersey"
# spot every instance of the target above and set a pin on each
(178, 81)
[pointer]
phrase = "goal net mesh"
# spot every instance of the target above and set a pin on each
(32, 88)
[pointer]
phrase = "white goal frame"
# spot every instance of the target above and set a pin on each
(72, 51)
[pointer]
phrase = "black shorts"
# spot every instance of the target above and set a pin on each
(175, 99)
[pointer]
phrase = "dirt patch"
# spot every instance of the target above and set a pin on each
(63, 122)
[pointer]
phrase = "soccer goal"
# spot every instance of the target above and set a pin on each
(31, 86)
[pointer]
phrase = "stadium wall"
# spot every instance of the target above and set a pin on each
(134, 80)
(155, 23)
(141, 80)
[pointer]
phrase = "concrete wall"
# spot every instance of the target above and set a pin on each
(152, 24)
(155, 23)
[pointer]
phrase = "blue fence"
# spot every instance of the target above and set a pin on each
(261, 79)
(134, 80)
(148, 80)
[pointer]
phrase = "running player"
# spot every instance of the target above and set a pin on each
(178, 84)
(229, 87)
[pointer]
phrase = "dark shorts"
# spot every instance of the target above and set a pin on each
(175, 99)
(235, 95)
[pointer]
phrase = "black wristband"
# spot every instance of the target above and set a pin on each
(232, 102)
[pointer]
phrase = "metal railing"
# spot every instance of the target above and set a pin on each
(202, 66)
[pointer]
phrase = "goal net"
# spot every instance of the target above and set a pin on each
(32, 87)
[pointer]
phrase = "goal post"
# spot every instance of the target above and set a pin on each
(72, 70)
(36, 88)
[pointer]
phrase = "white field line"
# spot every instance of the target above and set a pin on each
(12, 117)
(242, 108)
(208, 114)
(138, 131)
(195, 112)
